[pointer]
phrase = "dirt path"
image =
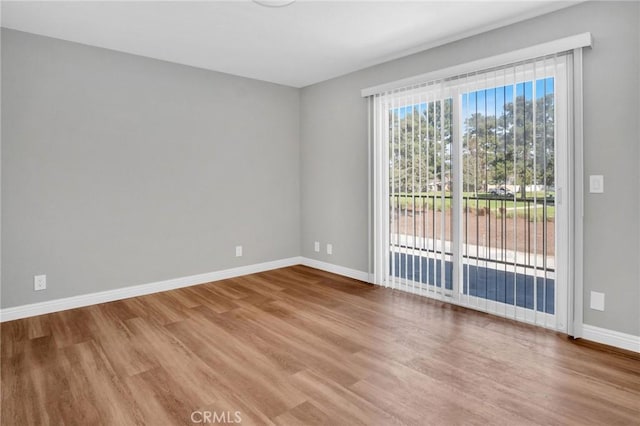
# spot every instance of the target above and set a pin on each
(483, 229)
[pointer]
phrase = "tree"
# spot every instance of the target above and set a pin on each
(420, 146)
(500, 151)
(498, 147)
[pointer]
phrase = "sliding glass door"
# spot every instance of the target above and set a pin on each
(474, 211)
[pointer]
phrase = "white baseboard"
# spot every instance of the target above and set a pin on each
(596, 334)
(24, 311)
(611, 338)
(336, 269)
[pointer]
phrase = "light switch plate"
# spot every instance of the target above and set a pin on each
(596, 184)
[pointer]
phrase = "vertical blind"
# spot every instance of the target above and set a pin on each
(469, 173)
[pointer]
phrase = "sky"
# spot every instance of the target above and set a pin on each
(491, 101)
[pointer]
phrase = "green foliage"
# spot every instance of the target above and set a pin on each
(420, 147)
(498, 149)
(528, 209)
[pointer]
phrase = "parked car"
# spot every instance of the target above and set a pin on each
(503, 192)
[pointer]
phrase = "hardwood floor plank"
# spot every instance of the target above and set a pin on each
(305, 345)
(211, 300)
(340, 403)
(445, 394)
(306, 413)
(250, 335)
(96, 390)
(239, 368)
(298, 346)
(71, 327)
(113, 335)
(166, 402)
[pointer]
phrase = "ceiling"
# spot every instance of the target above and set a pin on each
(297, 45)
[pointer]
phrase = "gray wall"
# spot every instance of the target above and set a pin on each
(120, 170)
(334, 148)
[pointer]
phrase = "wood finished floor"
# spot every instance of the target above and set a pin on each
(301, 346)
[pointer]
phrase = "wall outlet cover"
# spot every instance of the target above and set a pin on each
(597, 301)
(238, 251)
(39, 282)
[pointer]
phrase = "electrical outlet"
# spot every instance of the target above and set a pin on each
(238, 251)
(39, 282)
(316, 246)
(329, 248)
(597, 301)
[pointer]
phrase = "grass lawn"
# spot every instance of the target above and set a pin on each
(496, 205)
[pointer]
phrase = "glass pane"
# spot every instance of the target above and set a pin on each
(508, 212)
(420, 179)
